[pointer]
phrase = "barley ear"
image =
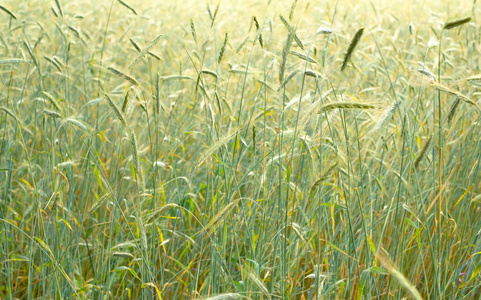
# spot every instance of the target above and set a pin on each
(259, 34)
(453, 109)
(53, 102)
(123, 75)
(52, 113)
(322, 178)
(219, 143)
(388, 113)
(125, 104)
(258, 282)
(291, 12)
(352, 46)
(347, 105)
(457, 23)
(218, 218)
(193, 31)
(222, 49)
(285, 52)
(423, 152)
(116, 109)
(157, 213)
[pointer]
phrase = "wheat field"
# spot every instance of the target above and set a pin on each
(240, 149)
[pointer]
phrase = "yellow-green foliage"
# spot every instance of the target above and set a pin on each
(240, 149)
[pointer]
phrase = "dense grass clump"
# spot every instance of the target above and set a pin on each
(268, 150)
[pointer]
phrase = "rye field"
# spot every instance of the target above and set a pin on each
(240, 149)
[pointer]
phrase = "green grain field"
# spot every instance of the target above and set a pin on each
(240, 149)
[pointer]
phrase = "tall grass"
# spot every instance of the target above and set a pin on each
(185, 150)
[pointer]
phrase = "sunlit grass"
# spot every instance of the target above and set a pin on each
(284, 150)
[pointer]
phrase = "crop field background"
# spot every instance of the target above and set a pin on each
(240, 149)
